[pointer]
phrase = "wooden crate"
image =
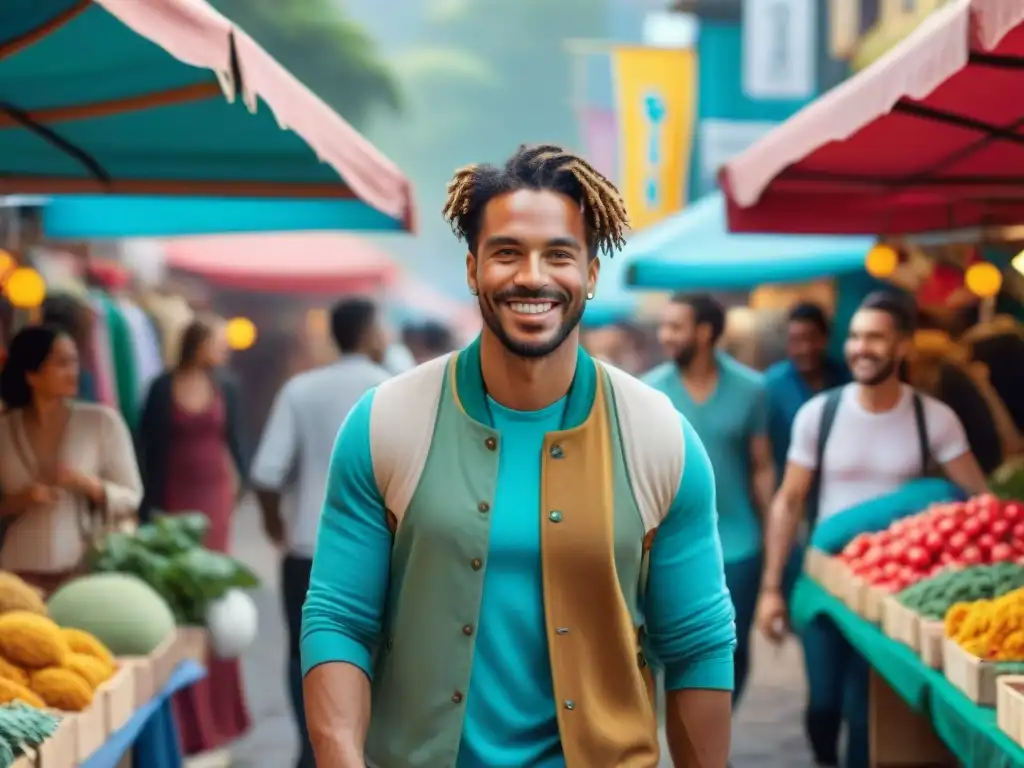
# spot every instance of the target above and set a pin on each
(834, 576)
(932, 636)
(193, 643)
(901, 623)
(864, 599)
(91, 725)
(153, 671)
(975, 677)
(118, 696)
(871, 601)
(61, 749)
(817, 564)
(899, 736)
(1010, 706)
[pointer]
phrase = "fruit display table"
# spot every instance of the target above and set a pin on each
(151, 734)
(917, 706)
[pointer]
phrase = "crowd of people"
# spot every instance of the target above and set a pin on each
(487, 560)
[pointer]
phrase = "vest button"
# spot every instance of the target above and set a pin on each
(570, 704)
(467, 630)
(555, 516)
(477, 563)
(491, 443)
(457, 697)
(556, 452)
(483, 506)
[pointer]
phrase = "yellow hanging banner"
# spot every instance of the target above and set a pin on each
(655, 96)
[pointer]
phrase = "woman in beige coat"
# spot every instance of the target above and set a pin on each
(67, 469)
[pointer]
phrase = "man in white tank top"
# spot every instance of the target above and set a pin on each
(882, 434)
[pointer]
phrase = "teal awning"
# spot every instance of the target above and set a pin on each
(693, 250)
(169, 98)
(82, 217)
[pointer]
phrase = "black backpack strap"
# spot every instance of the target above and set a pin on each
(922, 434)
(828, 417)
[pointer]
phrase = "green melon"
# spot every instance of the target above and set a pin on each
(122, 611)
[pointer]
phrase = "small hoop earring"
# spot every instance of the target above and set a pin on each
(590, 295)
(473, 291)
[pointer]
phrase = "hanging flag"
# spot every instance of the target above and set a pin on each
(655, 91)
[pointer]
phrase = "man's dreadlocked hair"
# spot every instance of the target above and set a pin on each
(540, 167)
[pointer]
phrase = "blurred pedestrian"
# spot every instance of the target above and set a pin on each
(725, 402)
(67, 468)
(487, 552)
(190, 451)
(290, 470)
(849, 445)
(806, 371)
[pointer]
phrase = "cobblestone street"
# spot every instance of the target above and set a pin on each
(766, 734)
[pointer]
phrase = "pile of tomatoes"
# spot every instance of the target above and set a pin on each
(984, 529)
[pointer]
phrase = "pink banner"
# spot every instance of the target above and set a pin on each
(600, 132)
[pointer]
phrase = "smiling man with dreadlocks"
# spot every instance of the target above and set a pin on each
(512, 532)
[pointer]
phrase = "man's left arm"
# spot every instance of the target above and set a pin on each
(949, 447)
(274, 462)
(691, 626)
(762, 461)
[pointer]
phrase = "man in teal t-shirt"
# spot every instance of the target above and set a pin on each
(724, 401)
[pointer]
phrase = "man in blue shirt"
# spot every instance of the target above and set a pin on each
(806, 371)
(724, 401)
(480, 547)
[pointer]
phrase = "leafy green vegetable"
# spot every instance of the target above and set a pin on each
(168, 555)
(933, 597)
(23, 728)
(1007, 482)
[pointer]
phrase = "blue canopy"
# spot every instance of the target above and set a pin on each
(81, 217)
(695, 250)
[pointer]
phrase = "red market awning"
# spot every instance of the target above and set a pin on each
(928, 138)
(315, 263)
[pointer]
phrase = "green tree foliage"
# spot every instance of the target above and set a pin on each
(490, 75)
(332, 55)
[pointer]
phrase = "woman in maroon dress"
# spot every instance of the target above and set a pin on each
(191, 461)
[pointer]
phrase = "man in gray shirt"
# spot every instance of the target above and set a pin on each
(292, 462)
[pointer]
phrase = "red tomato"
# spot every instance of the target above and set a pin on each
(918, 557)
(946, 526)
(890, 569)
(985, 541)
(858, 545)
(1000, 528)
(933, 542)
(916, 536)
(947, 558)
(985, 515)
(1013, 512)
(971, 526)
(873, 556)
(956, 543)
(1018, 531)
(971, 556)
(1001, 552)
(875, 575)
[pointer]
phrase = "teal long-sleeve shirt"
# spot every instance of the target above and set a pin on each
(510, 707)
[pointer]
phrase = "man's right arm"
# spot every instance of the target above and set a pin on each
(785, 514)
(343, 612)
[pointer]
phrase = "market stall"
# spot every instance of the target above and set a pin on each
(176, 101)
(931, 599)
(106, 651)
(927, 138)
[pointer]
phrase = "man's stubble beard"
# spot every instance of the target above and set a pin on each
(530, 351)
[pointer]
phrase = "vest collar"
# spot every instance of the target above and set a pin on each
(472, 394)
